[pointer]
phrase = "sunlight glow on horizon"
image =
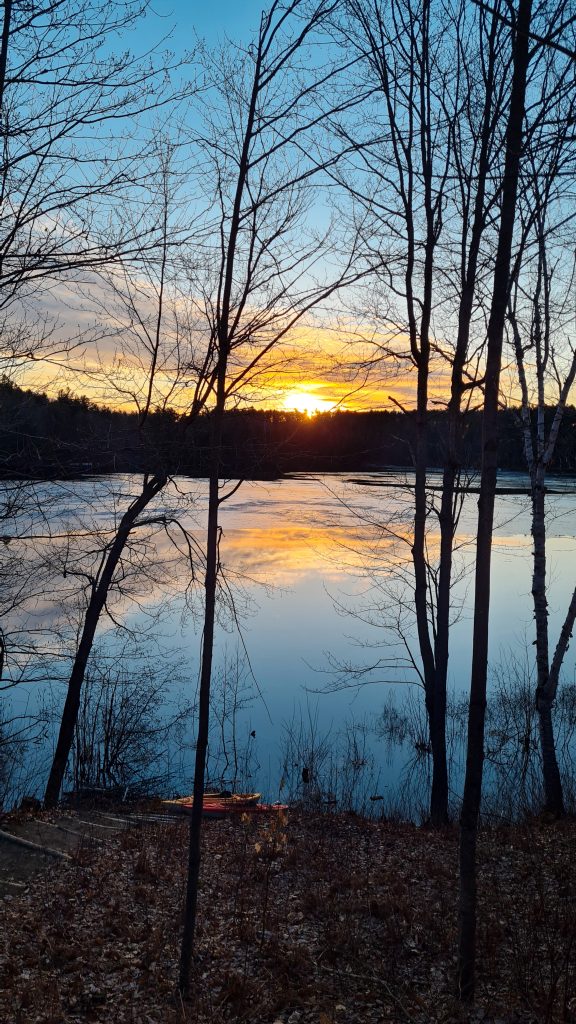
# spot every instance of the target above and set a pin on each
(307, 402)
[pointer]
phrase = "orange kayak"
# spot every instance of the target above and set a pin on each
(217, 805)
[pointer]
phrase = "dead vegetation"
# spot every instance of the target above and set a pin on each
(307, 919)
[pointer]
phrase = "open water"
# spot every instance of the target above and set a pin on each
(316, 632)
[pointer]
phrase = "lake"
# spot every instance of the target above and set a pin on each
(317, 598)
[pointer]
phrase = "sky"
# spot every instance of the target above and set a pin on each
(211, 21)
(177, 25)
(307, 386)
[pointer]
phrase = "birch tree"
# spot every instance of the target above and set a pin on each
(426, 173)
(541, 324)
(542, 77)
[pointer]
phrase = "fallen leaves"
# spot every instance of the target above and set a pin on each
(310, 920)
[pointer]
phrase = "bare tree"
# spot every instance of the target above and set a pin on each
(542, 93)
(205, 347)
(477, 709)
(267, 268)
(75, 131)
(145, 316)
(75, 128)
(541, 319)
(427, 173)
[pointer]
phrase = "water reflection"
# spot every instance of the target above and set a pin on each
(318, 570)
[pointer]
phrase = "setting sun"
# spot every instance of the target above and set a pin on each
(303, 401)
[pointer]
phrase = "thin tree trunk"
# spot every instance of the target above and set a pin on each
(211, 577)
(210, 582)
(554, 799)
(553, 794)
(495, 334)
(97, 601)
(538, 454)
(562, 646)
(548, 675)
(439, 794)
(4, 128)
(436, 708)
(453, 467)
(4, 51)
(539, 581)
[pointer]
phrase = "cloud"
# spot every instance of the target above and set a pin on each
(101, 341)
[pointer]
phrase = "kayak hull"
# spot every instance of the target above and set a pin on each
(216, 805)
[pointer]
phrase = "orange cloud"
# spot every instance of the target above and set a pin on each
(320, 365)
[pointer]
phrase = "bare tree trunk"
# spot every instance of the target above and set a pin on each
(421, 353)
(538, 452)
(554, 801)
(562, 645)
(423, 167)
(255, 216)
(453, 467)
(211, 577)
(97, 601)
(554, 797)
(210, 582)
(4, 51)
(545, 702)
(495, 334)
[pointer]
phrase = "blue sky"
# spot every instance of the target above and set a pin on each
(210, 19)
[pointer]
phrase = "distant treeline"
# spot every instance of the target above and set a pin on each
(67, 436)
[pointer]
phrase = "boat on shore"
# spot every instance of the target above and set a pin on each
(219, 805)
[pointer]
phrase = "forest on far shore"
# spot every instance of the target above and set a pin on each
(42, 438)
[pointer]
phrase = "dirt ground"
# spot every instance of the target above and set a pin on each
(37, 842)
